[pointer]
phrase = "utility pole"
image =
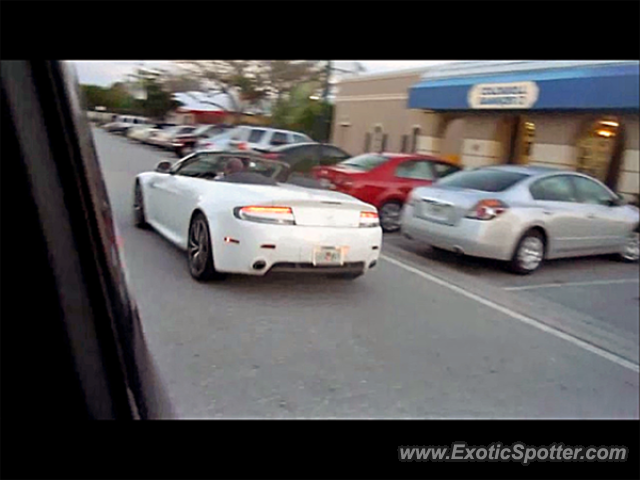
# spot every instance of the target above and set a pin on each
(328, 72)
(325, 97)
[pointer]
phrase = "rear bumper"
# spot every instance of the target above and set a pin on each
(489, 239)
(294, 248)
(289, 267)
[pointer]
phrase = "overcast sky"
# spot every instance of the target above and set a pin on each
(105, 73)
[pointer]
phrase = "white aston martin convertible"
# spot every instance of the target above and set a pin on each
(233, 213)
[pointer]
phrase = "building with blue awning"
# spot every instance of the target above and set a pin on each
(579, 115)
(534, 86)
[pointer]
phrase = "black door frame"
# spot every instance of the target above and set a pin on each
(515, 127)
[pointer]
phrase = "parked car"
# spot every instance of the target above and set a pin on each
(259, 139)
(113, 126)
(123, 124)
(185, 144)
(303, 157)
(150, 134)
(523, 215)
(165, 137)
(139, 132)
(384, 180)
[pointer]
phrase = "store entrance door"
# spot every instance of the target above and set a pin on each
(519, 134)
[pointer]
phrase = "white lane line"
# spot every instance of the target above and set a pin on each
(575, 284)
(518, 316)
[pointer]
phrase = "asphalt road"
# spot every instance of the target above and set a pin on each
(417, 337)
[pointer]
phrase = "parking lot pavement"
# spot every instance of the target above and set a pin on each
(597, 290)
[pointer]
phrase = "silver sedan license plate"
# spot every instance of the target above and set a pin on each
(438, 211)
(327, 256)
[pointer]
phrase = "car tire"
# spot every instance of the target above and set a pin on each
(139, 217)
(630, 253)
(390, 213)
(529, 253)
(200, 251)
(346, 276)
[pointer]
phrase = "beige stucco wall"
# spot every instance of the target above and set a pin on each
(363, 103)
(377, 84)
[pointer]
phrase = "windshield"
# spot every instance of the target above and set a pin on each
(365, 162)
(170, 130)
(485, 180)
(221, 166)
(201, 130)
(227, 135)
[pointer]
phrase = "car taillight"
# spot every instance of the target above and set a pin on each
(271, 156)
(369, 219)
(487, 209)
(264, 214)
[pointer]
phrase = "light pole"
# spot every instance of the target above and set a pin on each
(325, 96)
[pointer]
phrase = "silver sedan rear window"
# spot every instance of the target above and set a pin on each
(484, 180)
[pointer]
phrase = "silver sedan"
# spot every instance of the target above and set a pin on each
(522, 215)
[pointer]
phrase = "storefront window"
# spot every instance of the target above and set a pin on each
(595, 148)
(414, 139)
(527, 141)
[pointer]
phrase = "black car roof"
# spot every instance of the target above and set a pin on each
(282, 148)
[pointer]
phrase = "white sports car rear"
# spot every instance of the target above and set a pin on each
(232, 214)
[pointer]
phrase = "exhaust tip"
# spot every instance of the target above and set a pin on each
(259, 265)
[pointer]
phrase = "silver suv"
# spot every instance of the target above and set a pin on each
(254, 138)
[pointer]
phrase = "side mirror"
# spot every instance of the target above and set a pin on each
(163, 167)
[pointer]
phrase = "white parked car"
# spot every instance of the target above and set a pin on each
(164, 138)
(252, 138)
(140, 133)
(230, 212)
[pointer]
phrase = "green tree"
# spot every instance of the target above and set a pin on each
(303, 111)
(224, 76)
(155, 99)
(94, 96)
(253, 80)
(158, 102)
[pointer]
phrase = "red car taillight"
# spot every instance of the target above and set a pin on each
(265, 214)
(271, 156)
(369, 219)
(487, 209)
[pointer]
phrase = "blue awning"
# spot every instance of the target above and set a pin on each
(571, 88)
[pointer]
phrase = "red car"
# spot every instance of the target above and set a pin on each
(384, 180)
